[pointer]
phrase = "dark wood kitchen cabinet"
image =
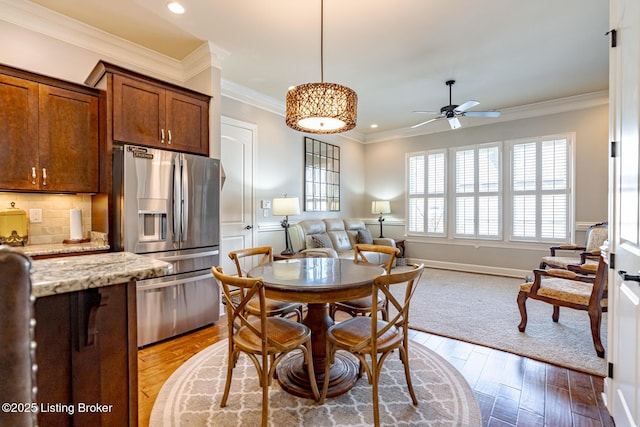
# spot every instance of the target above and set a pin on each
(49, 133)
(87, 357)
(145, 111)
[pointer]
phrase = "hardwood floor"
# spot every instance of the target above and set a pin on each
(510, 390)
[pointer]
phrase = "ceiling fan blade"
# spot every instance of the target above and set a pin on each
(427, 112)
(465, 106)
(425, 122)
(454, 122)
(482, 114)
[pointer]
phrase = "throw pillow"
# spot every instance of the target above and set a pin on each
(321, 241)
(364, 236)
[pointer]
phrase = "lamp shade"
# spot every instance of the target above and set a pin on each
(284, 206)
(321, 108)
(381, 207)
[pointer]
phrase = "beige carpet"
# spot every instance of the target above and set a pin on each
(482, 309)
(191, 396)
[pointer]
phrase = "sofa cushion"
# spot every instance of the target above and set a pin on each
(364, 236)
(340, 240)
(321, 240)
(334, 224)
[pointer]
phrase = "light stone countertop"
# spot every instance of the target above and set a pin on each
(69, 274)
(62, 248)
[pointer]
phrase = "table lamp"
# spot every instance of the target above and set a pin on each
(381, 207)
(285, 206)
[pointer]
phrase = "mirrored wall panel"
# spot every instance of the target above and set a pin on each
(321, 175)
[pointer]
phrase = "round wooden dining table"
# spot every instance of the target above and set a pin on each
(317, 282)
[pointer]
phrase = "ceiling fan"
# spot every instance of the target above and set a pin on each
(451, 112)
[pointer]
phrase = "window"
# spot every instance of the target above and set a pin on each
(477, 192)
(528, 201)
(541, 190)
(427, 209)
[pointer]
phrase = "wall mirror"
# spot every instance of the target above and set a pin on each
(321, 176)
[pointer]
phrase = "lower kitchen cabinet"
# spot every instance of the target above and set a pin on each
(87, 357)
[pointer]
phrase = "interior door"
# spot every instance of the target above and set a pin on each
(624, 292)
(236, 210)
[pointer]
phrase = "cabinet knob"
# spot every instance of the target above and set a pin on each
(33, 175)
(169, 132)
(44, 176)
(161, 136)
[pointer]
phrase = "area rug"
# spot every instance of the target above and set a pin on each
(482, 309)
(191, 396)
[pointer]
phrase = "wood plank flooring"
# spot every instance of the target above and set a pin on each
(510, 390)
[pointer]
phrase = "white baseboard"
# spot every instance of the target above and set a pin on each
(471, 268)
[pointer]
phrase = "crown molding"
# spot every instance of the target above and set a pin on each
(60, 27)
(249, 96)
(560, 105)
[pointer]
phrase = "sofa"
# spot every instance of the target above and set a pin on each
(335, 237)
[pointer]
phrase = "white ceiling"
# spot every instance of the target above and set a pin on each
(396, 55)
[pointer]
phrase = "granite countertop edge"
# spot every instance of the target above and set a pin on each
(70, 274)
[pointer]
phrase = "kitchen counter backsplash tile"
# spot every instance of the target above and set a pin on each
(69, 274)
(55, 226)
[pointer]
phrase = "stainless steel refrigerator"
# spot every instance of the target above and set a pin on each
(166, 206)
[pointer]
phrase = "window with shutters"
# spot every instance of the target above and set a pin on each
(541, 189)
(426, 192)
(478, 197)
(466, 192)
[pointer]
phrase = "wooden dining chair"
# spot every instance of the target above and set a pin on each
(272, 307)
(265, 340)
(362, 306)
(579, 289)
(375, 337)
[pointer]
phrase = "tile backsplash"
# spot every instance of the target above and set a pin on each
(55, 226)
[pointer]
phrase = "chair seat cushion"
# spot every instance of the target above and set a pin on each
(564, 261)
(357, 329)
(274, 307)
(564, 290)
(360, 303)
(285, 332)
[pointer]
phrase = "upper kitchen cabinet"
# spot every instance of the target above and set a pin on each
(49, 132)
(148, 112)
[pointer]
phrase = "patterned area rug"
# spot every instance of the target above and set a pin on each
(191, 396)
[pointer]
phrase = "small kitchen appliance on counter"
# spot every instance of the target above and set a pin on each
(13, 226)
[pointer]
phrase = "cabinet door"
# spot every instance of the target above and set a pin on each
(187, 123)
(68, 123)
(18, 133)
(138, 112)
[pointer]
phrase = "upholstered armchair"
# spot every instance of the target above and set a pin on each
(564, 255)
(584, 288)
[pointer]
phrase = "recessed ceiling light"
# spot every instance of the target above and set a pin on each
(175, 7)
(373, 126)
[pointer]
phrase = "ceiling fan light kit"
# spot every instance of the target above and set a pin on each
(452, 111)
(321, 107)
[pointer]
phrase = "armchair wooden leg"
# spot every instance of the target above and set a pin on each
(595, 317)
(522, 300)
(556, 313)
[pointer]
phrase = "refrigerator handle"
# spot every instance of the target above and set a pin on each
(185, 201)
(177, 199)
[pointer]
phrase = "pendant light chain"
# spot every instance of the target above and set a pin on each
(321, 41)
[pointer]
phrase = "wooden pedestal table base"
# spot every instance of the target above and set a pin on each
(292, 373)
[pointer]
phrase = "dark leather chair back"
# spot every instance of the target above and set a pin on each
(16, 331)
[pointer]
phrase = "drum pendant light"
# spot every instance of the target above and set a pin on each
(321, 107)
